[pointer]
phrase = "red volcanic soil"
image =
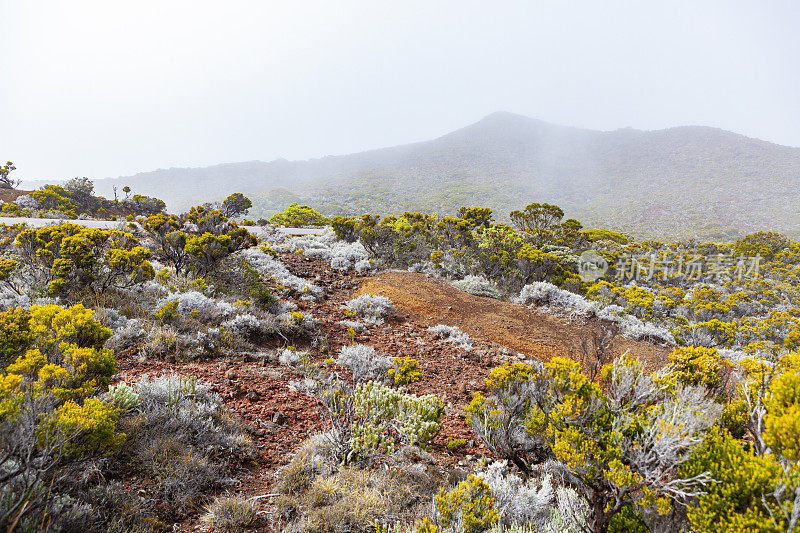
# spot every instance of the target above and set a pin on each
(280, 418)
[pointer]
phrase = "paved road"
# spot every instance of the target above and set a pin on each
(114, 224)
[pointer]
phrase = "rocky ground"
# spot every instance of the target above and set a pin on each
(279, 418)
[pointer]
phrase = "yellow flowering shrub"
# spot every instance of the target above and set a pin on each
(470, 504)
(87, 428)
(405, 371)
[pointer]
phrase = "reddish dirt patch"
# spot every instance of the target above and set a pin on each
(256, 390)
(9, 195)
(528, 331)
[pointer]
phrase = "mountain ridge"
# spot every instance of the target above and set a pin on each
(672, 182)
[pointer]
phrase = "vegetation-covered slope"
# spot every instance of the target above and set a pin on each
(670, 183)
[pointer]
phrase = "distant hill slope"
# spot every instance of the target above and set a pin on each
(669, 183)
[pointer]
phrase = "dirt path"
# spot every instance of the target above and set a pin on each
(530, 332)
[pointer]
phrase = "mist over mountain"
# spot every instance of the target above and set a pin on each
(677, 182)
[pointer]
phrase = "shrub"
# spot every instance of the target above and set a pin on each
(270, 268)
(87, 429)
(213, 238)
(69, 258)
(543, 293)
(230, 515)
(415, 420)
(251, 327)
(49, 428)
(452, 335)
(520, 502)
(371, 307)
(236, 205)
(364, 363)
(197, 305)
(124, 397)
(372, 418)
(298, 216)
(169, 240)
(352, 500)
(736, 501)
(573, 420)
(469, 507)
(455, 444)
(183, 439)
(478, 286)
(765, 244)
(405, 371)
(289, 357)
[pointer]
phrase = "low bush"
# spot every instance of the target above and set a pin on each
(230, 515)
(468, 508)
(405, 371)
(364, 363)
(478, 286)
(452, 335)
(372, 308)
(183, 439)
(543, 293)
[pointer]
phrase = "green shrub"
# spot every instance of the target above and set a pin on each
(298, 216)
(455, 444)
(69, 258)
(735, 501)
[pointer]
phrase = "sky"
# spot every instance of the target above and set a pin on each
(105, 88)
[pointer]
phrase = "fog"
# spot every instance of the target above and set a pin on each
(103, 89)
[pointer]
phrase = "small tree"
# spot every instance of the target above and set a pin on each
(618, 442)
(235, 205)
(68, 258)
(5, 181)
(537, 217)
(298, 216)
(82, 186)
(49, 427)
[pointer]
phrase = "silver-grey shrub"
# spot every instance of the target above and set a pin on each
(200, 306)
(543, 293)
(477, 286)
(452, 335)
(182, 437)
(364, 363)
(372, 308)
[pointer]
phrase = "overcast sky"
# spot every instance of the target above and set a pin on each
(107, 88)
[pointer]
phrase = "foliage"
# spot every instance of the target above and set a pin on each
(236, 205)
(364, 363)
(372, 418)
(469, 507)
(766, 244)
(405, 371)
(622, 439)
(455, 444)
(735, 502)
(87, 428)
(49, 425)
(298, 216)
(183, 440)
(230, 515)
(371, 307)
(5, 181)
(70, 258)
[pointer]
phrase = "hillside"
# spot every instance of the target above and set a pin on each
(668, 183)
